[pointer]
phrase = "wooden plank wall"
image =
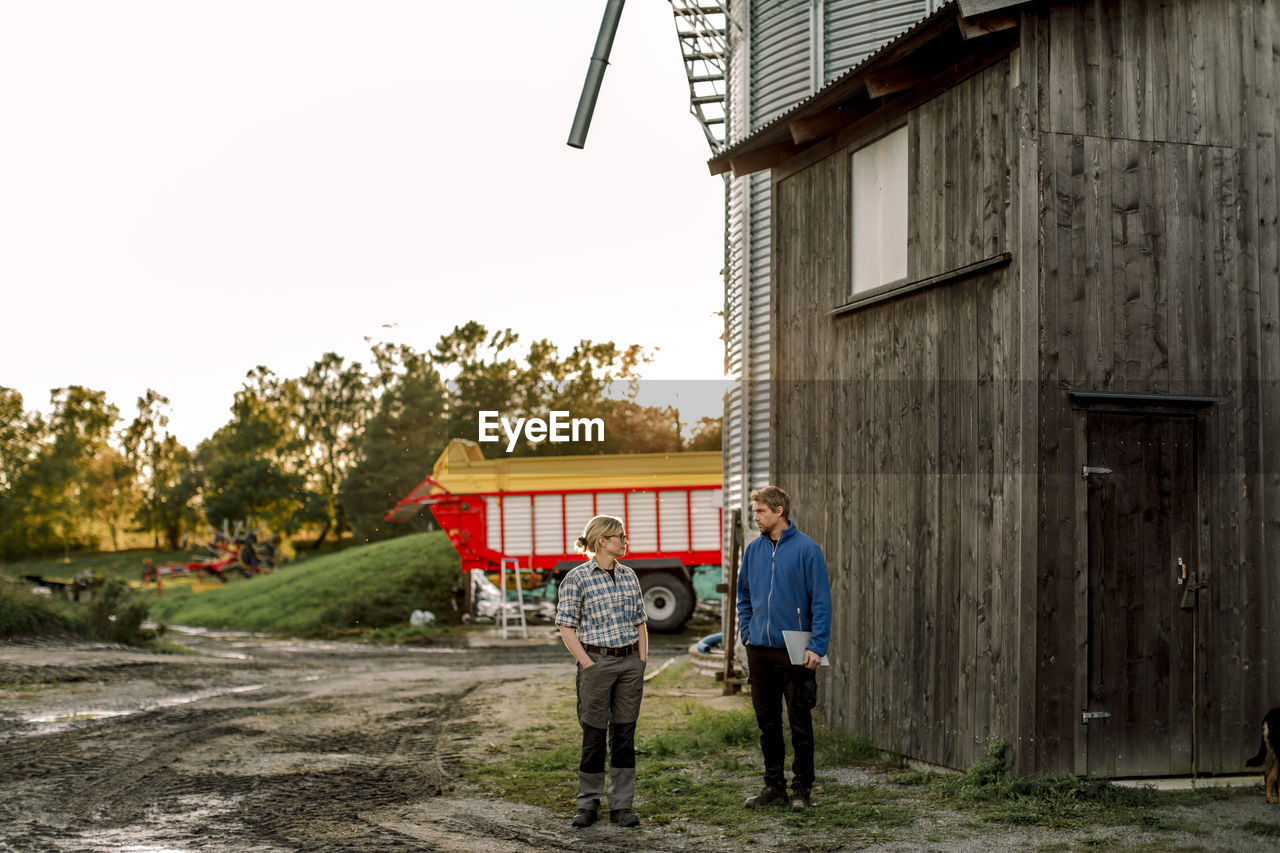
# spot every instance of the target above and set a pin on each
(896, 438)
(1136, 142)
(1159, 274)
(1263, 621)
(959, 171)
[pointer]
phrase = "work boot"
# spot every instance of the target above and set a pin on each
(769, 795)
(584, 817)
(623, 817)
(800, 800)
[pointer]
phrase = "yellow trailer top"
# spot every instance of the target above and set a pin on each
(462, 469)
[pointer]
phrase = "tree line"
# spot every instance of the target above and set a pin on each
(327, 452)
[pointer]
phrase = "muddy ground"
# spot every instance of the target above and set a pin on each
(266, 745)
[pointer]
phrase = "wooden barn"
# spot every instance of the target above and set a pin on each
(1025, 364)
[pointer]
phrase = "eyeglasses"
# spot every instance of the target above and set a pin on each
(621, 536)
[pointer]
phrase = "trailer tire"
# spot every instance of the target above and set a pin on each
(668, 601)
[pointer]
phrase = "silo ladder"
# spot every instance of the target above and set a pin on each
(704, 43)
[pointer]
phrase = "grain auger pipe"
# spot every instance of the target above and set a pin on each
(595, 74)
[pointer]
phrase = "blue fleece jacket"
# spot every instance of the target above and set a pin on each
(784, 586)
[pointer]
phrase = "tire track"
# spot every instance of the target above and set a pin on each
(404, 762)
(331, 758)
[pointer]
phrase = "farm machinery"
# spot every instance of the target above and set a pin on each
(523, 515)
(239, 554)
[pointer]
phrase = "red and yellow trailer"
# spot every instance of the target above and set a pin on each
(531, 509)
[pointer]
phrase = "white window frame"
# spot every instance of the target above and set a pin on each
(878, 212)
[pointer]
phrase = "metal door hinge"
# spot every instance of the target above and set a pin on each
(1093, 469)
(1086, 716)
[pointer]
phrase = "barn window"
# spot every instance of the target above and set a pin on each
(879, 214)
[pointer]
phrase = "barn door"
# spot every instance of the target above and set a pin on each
(1142, 616)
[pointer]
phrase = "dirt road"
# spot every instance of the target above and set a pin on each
(261, 745)
(272, 746)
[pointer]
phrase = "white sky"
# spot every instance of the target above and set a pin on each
(189, 189)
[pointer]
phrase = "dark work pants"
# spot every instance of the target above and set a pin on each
(773, 678)
(609, 695)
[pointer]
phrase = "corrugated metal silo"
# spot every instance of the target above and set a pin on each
(780, 52)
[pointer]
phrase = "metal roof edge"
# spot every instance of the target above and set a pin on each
(776, 130)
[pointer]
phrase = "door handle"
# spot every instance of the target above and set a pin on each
(1183, 577)
(1189, 587)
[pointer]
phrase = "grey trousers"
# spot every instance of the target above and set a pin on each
(609, 694)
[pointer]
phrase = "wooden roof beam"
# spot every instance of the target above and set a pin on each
(893, 80)
(928, 64)
(909, 45)
(763, 158)
(985, 25)
(812, 128)
(970, 8)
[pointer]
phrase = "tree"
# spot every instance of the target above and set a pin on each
(111, 491)
(706, 434)
(250, 466)
(178, 489)
(487, 377)
(408, 430)
(57, 512)
(22, 436)
(581, 383)
(331, 408)
(164, 468)
(632, 428)
(484, 376)
(257, 490)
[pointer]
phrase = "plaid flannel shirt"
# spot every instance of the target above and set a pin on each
(605, 611)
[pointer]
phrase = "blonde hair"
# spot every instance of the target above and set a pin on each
(596, 529)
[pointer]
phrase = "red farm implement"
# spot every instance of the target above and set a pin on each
(241, 555)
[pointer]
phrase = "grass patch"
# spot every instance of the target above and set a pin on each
(411, 635)
(115, 614)
(127, 564)
(698, 759)
(342, 594)
(840, 749)
(22, 613)
(365, 592)
(543, 773)
(700, 731)
(1263, 828)
(990, 792)
(124, 565)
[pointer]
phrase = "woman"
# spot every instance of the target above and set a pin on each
(602, 621)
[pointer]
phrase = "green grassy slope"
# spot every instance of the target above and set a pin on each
(366, 587)
(126, 565)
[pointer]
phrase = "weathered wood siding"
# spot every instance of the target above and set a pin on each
(895, 440)
(1125, 157)
(960, 173)
(1156, 129)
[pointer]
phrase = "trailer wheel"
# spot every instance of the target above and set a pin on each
(668, 600)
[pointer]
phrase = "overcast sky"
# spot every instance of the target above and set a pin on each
(190, 189)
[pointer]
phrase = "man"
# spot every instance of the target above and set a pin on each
(782, 586)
